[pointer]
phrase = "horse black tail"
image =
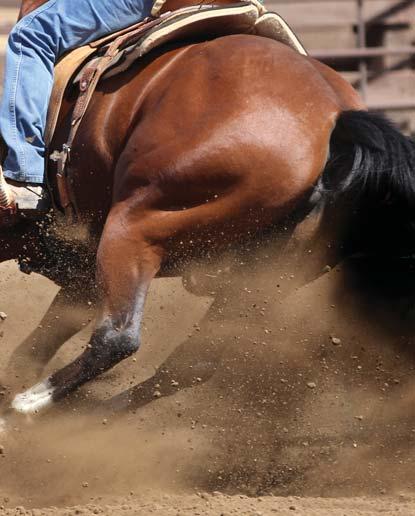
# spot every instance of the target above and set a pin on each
(371, 170)
(370, 159)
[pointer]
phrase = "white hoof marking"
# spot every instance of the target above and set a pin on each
(34, 399)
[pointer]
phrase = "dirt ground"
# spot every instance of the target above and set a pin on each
(249, 403)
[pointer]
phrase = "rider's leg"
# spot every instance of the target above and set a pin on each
(34, 46)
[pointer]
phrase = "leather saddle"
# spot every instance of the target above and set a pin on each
(102, 59)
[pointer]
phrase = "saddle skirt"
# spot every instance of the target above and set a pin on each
(102, 59)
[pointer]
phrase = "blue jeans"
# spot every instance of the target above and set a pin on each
(35, 44)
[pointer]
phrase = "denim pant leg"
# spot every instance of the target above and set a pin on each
(34, 45)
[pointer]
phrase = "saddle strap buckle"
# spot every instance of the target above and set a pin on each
(61, 159)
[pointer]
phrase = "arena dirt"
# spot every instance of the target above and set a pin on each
(249, 402)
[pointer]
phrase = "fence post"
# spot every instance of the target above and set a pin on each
(361, 43)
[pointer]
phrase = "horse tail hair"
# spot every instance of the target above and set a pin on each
(371, 161)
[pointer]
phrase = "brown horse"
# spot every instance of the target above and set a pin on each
(196, 150)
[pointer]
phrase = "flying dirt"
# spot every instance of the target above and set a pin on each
(235, 400)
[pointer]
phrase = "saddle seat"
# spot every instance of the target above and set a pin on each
(102, 59)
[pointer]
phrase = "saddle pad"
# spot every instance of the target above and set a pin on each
(273, 26)
(211, 22)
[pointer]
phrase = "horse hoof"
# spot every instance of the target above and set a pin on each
(34, 399)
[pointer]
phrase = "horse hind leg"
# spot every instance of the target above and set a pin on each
(126, 264)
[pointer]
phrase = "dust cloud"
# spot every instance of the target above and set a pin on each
(254, 389)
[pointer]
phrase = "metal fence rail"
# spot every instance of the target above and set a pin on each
(362, 54)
